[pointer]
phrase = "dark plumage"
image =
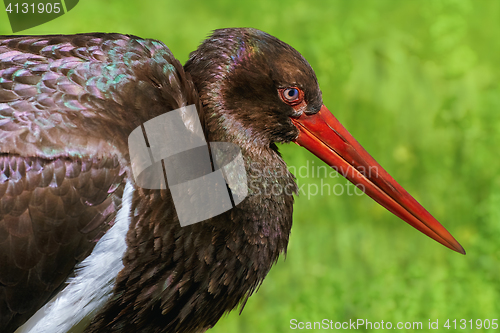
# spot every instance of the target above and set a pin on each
(92, 90)
(67, 106)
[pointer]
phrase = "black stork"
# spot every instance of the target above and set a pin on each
(67, 107)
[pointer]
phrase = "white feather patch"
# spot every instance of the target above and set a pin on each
(86, 293)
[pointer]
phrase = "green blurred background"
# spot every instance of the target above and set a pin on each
(417, 83)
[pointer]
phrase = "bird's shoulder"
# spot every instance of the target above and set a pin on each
(84, 93)
(67, 106)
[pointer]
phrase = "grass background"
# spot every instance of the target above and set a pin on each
(417, 83)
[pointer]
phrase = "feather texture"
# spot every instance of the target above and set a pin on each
(93, 284)
(67, 106)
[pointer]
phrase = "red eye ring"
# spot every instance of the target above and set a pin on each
(291, 95)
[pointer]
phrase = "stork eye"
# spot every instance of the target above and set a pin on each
(292, 96)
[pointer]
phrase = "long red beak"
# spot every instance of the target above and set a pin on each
(324, 136)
